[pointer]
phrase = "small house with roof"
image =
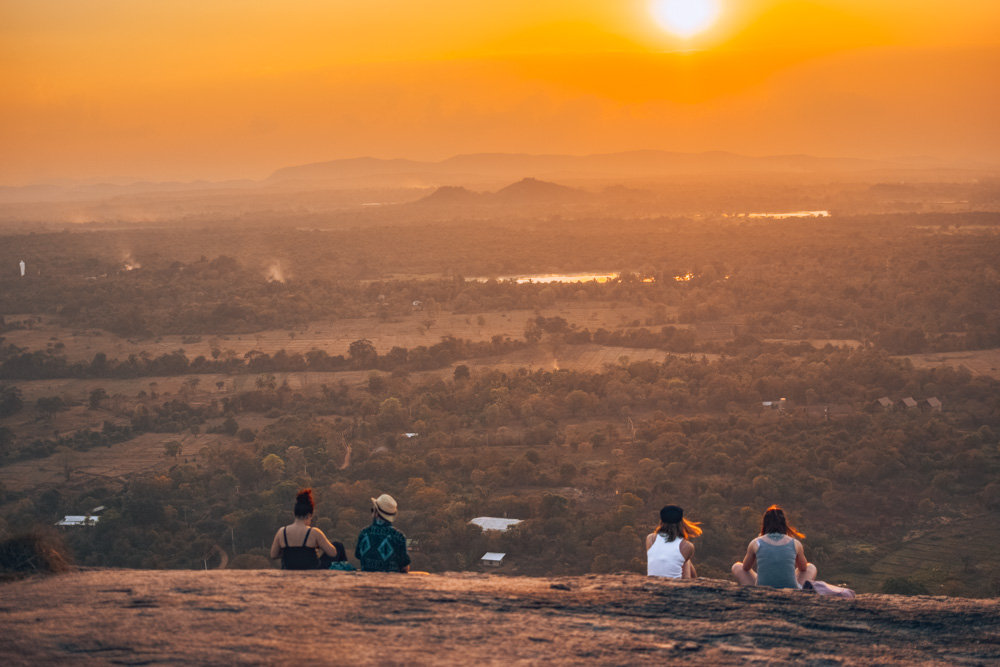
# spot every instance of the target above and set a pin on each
(88, 519)
(493, 559)
(78, 520)
(885, 403)
(909, 403)
(933, 404)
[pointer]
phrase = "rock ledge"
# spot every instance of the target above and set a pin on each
(139, 617)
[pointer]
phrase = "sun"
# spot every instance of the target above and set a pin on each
(685, 18)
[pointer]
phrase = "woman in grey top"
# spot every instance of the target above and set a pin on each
(775, 558)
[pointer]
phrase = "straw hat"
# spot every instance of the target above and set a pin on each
(385, 505)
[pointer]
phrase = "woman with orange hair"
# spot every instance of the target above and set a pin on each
(668, 551)
(775, 557)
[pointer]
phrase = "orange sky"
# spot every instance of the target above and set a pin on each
(183, 89)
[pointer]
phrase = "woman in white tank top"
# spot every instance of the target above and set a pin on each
(668, 551)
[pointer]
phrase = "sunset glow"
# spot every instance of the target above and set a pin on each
(118, 90)
(685, 18)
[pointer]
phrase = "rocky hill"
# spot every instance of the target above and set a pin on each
(526, 192)
(133, 617)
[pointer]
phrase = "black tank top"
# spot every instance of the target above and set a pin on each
(298, 558)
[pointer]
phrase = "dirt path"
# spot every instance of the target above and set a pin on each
(247, 617)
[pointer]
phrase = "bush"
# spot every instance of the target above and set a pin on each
(11, 401)
(34, 552)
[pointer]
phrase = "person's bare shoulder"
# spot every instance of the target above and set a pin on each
(687, 548)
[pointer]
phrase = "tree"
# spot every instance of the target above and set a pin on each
(230, 426)
(96, 396)
(461, 373)
(10, 400)
(532, 332)
(391, 415)
(578, 401)
(362, 353)
(190, 384)
(376, 382)
(50, 405)
(266, 381)
(49, 503)
(273, 466)
(172, 449)
(297, 463)
(554, 505)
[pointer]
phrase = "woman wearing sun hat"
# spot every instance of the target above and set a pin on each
(668, 551)
(382, 548)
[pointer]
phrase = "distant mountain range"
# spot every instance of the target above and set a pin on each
(490, 170)
(632, 164)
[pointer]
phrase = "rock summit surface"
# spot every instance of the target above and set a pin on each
(133, 617)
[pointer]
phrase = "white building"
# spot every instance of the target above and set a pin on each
(493, 559)
(84, 520)
(76, 520)
(492, 523)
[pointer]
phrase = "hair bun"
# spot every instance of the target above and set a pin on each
(304, 504)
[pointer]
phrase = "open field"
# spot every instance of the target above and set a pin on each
(940, 556)
(573, 357)
(979, 362)
(110, 466)
(78, 390)
(334, 336)
(569, 357)
(822, 342)
(144, 453)
(124, 392)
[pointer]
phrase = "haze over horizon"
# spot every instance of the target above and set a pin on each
(118, 91)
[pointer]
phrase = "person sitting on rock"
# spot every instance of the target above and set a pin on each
(296, 543)
(775, 557)
(668, 551)
(382, 548)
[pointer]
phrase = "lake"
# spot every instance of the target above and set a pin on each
(556, 278)
(793, 214)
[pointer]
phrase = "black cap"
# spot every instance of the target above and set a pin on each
(671, 514)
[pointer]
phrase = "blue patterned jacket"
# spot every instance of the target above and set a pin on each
(381, 548)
